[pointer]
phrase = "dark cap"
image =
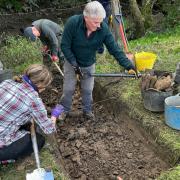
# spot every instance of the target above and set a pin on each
(29, 34)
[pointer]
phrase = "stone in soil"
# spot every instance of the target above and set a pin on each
(105, 148)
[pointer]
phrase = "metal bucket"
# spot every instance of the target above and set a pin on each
(5, 74)
(172, 111)
(154, 100)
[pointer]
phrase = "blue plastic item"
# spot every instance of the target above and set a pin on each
(172, 111)
(39, 173)
(49, 175)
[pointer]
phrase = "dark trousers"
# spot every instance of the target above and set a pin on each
(21, 148)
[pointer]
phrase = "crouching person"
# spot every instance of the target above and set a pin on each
(19, 104)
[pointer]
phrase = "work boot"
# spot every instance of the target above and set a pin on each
(89, 115)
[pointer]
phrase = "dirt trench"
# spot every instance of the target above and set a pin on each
(108, 147)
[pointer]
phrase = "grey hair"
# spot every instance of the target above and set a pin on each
(94, 9)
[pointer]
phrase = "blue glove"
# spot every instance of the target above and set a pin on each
(57, 110)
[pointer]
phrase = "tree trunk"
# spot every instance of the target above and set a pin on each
(147, 6)
(115, 11)
(138, 19)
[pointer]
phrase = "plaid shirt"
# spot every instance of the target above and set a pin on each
(19, 103)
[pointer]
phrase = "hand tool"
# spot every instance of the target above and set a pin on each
(39, 173)
(125, 75)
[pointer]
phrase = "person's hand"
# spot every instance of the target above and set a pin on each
(53, 119)
(133, 71)
(54, 58)
(78, 71)
(45, 49)
(119, 178)
(57, 111)
(130, 56)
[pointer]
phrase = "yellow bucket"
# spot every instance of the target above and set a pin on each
(145, 60)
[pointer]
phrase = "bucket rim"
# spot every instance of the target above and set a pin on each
(168, 99)
(146, 52)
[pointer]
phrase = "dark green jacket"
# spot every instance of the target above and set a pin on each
(76, 47)
(50, 33)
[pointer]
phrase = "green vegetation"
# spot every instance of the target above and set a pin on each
(11, 4)
(172, 174)
(18, 170)
(18, 53)
(32, 5)
(171, 9)
(167, 47)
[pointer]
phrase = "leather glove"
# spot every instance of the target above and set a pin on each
(133, 71)
(77, 69)
(54, 58)
(57, 110)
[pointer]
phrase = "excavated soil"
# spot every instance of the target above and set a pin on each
(105, 148)
(92, 150)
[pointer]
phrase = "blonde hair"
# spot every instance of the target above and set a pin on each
(94, 9)
(39, 75)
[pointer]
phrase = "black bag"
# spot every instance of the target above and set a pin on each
(5, 74)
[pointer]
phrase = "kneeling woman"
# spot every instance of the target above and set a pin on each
(19, 104)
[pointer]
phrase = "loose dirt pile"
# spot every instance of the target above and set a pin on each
(105, 148)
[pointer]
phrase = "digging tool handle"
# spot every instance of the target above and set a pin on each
(34, 143)
(59, 69)
(55, 63)
(115, 75)
(119, 19)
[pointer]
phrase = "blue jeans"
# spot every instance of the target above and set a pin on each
(87, 85)
(20, 148)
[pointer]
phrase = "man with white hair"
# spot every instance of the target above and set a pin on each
(82, 36)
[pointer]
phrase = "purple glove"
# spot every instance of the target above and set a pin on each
(57, 110)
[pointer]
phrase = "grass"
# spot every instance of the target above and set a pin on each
(18, 53)
(167, 48)
(172, 174)
(165, 45)
(18, 170)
